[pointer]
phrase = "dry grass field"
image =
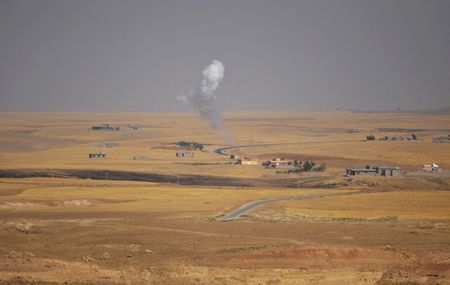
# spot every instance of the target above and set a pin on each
(405, 205)
(69, 219)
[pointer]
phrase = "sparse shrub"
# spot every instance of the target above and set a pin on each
(322, 167)
(190, 145)
(308, 166)
(198, 146)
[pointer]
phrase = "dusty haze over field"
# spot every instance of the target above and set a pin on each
(140, 55)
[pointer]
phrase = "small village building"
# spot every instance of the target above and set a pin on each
(389, 171)
(442, 139)
(184, 154)
(97, 155)
(105, 127)
(134, 127)
(141, 157)
(278, 163)
(249, 161)
(109, 144)
(431, 167)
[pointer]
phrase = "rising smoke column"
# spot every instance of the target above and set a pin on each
(203, 99)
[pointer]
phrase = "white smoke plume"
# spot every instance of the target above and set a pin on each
(203, 99)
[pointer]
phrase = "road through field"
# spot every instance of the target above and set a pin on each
(258, 203)
(221, 151)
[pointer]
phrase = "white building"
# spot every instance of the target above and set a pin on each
(431, 167)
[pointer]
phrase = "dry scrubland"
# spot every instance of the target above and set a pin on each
(153, 221)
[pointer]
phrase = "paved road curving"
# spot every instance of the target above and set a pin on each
(222, 151)
(259, 203)
(256, 204)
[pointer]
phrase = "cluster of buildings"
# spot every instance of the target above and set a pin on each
(375, 170)
(411, 137)
(389, 170)
(274, 163)
(235, 159)
(109, 144)
(109, 128)
(105, 127)
(134, 127)
(249, 161)
(99, 154)
(278, 163)
(442, 139)
(186, 150)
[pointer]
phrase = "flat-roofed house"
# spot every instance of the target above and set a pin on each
(249, 161)
(278, 163)
(431, 167)
(97, 155)
(184, 154)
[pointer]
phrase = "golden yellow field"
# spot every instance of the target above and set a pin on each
(65, 217)
(42, 194)
(406, 205)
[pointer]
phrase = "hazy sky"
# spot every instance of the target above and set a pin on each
(93, 55)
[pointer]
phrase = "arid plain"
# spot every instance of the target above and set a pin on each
(141, 215)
